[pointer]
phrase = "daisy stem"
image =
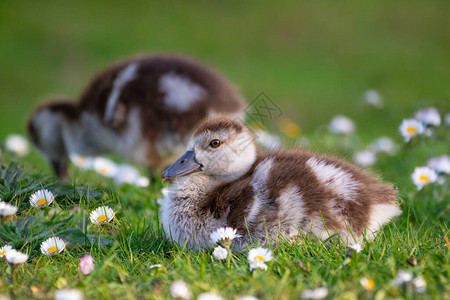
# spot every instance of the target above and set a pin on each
(228, 257)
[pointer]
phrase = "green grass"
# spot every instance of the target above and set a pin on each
(314, 59)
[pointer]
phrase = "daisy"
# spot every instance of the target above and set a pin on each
(6, 209)
(247, 298)
(290, 129)
(155, 266)
(5, 249)
(447, 119)
(384, 144)
(87, 264)
(220, 253)
(210, 296)
(82, 162)
(180, 290)
(428, 116)
(440, 164)
(365, 158)
(142, 181)
(423, 176)
(367, 283)
(257, 258)
(341, 125)
(17, 144)
(102, 214)
(223, 235)
(105, 167)
(68, 294)
(411, 128)
(126, 174)
(15, 257)
(419, 284)
(373, 98)
(267, 140)
(52, 245)
(42, 198)
(402, 278)
(318, 293)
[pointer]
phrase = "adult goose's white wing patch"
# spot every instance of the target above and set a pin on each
(123, 77)
(335, 178)
(180, 92)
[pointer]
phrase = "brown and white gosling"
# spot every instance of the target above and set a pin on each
(223, 181)
(143, 109)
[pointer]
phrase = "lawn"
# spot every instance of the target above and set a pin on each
(315, 59)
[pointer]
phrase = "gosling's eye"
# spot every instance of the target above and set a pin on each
(215, 143)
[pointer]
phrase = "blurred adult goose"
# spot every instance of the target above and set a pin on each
(222, 180)
(143, 109)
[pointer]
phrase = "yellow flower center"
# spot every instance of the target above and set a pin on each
(41, 202)
(260, 258)
(292, 130)
(52, 249)
(411, 130)
(81, 161)
(424, 178)
(3, 253)
(102, 218)
(104, 170)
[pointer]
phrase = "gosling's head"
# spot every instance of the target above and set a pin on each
(221, 148)
(45, 130)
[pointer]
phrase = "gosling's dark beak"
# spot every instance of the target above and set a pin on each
(185, 165)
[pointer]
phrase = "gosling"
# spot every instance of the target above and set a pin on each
(143, 109)
(222, 180)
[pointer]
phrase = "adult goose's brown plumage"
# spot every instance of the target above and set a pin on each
(223, 181)
(143, 109)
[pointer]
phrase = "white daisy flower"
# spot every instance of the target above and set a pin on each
(428, 116)
(180, 290)
(318, 293)
(267, 140)
(52, 245)
(447, 119)
(102, 214)
(5, 249)
(223, 235)
(367, 283)
(82, 162)
(68, 294)
(423, 176)
(341, 125)
(126, 174)
(210, 296)
(373, 98)
(419, 284)
(155, 266)
(411, 128)
(384, 144)
(105, 167)
(365, 158)
(248, 297)
(220, 253)
(440, 164)
(42, 198)
(257, 258)
(402, 277)
(142, 181)
(7, 209)
(17, 144)
(15, 257)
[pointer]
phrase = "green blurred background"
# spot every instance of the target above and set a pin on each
(314, 58)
